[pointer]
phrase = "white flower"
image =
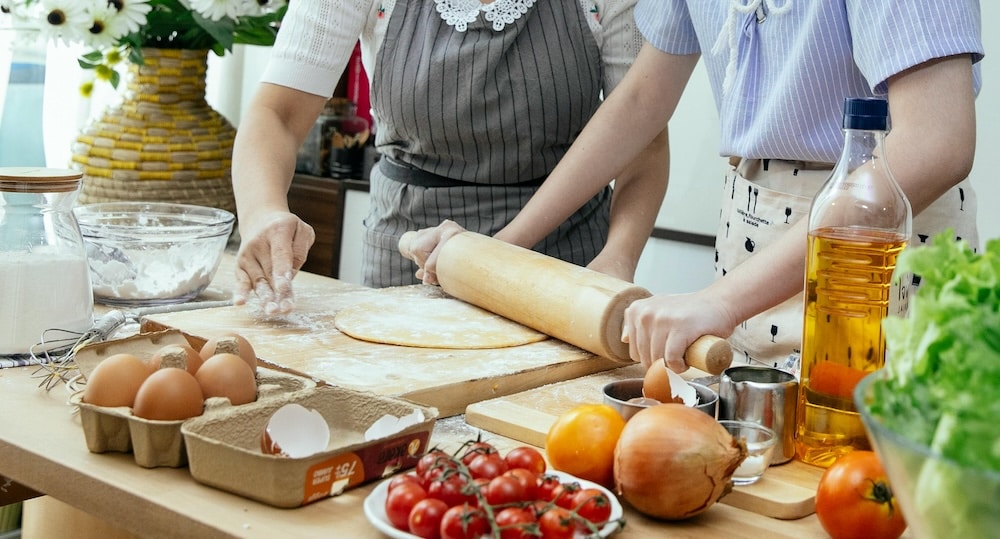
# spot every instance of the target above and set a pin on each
(131, 14)
(63, 20)
(216, 10)
(256, 8)
(104, 29)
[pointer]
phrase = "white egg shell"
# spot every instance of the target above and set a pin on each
(388, 425)
(680, 388)
(295, 431)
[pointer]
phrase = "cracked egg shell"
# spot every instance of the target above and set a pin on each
(295, 431)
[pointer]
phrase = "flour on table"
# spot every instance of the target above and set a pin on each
(432, 323)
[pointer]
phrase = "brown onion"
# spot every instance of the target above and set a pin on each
(673, 461)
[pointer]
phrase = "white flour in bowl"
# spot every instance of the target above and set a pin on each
(157, 271)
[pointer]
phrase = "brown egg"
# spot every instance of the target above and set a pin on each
(115, 381)
(182, 356)
(656, 383)
(169, 394)
(231, 343)
(227, 375)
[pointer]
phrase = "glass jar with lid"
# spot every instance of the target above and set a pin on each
(44, 276)
(335, 145)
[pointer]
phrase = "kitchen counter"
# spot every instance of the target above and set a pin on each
(42, 447)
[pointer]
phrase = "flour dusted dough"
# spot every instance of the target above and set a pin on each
(432, 323)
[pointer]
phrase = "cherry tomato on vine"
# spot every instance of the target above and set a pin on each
(566, 497)
(488, 466)
(400, 501)
(549, 488)
(526, 457)
(429, 460)
(434, 465)
(476, 449)
(425, 518)
(517, 523)
(464, 522)
(528, 480)
(557, 523)
(592, 504)
(399, 479)
(453, 489)
(505, 489)
(854, 499)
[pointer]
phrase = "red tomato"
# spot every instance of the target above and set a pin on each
(854, 499)
(403, 478)
(517, 523)
(425, 518)
(400, 501)
(526, 457)
(557, 523)
(488, 466)
(433, 465)
(549, 488)
(565, 498)
(592, 504)
(453, 489)
(528, 479)
(429, 460)
(464, 522)
(505, 489)
(476, 449)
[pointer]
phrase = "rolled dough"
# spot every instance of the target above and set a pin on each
(432, 323)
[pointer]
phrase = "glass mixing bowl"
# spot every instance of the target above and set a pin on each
(152, 253)
(938, 496)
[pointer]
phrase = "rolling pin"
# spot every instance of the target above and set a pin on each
(574, 304)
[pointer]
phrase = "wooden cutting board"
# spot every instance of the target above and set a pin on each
(307, 341)
(786, 491)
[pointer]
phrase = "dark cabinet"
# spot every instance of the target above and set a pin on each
(320, 202)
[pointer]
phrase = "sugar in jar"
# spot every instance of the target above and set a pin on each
(44, 277)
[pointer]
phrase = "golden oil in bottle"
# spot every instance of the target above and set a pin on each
(859, 222)
(848, 290)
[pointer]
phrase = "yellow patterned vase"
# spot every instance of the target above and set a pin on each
(163, 143)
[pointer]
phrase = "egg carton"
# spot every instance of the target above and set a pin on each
(226, 442)
(156, 443)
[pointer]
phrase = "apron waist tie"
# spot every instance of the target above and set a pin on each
(765, 164)
(396, 171)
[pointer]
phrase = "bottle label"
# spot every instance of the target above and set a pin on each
(899, 295)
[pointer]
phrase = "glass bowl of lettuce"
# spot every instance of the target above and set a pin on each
(933, 413)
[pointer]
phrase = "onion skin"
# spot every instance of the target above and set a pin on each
(673, 462)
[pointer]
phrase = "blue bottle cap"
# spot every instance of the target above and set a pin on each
(869, 113)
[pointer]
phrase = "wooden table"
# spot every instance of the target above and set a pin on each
(42, 447)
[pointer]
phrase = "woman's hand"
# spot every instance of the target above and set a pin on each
(423, 246)
(663, 326)
(273, 248)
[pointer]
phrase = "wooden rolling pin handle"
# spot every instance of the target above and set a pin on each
(709, 353)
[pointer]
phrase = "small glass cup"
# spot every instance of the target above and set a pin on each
(760, 442)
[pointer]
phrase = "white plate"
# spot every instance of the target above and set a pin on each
(375, 507)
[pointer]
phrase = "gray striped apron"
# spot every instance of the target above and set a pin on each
(762, 199)
(470, 123)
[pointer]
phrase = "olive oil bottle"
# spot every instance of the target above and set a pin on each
(859, 223)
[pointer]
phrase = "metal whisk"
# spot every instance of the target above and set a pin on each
(56, 352)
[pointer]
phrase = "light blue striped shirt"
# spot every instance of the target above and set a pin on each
(792, 62)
